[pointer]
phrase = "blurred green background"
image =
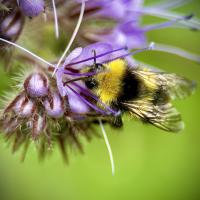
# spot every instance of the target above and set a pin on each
(150, 163)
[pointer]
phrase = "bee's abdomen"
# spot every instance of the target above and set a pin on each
(130, 87)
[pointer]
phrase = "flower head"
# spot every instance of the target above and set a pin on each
(61, 108)
(122, 28)
(40, 113)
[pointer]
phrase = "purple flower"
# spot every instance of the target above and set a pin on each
(77, 55)
(125, 34)
(118, 22)
(117, 10)
(39, 112)
(72, 68)
(31, 8)
(59, 108)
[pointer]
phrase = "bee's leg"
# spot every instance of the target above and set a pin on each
(116, 122)
(90, 116)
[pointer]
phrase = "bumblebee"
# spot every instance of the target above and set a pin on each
(143, 93)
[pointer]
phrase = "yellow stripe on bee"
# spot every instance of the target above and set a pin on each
(110, 81)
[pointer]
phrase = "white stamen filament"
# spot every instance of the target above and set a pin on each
(161, 13)
(170, 4)
(177, 51)
(73, 36)
(55, 19)
(108, 147)
(27, 51)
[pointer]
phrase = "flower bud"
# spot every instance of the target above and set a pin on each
(36, 85)
(31, 8)
(11, 26)
(38, 125)
(54, 105)
(24, 107)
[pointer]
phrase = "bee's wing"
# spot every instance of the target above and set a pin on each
(164, 116)
(174, 86)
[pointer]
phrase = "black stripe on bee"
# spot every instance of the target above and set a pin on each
(130, 86)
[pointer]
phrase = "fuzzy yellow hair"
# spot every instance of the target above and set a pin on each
(110, 81)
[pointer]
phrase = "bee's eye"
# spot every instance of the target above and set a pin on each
(91, 83)
(98, 67)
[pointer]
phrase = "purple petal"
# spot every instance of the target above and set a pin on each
(109, 9)
(74, 54)
(77, 105)
(60, 72)
(126, 34)
(135, 35)
(88, 52)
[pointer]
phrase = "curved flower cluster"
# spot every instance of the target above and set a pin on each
(38, 111)
(52, 103)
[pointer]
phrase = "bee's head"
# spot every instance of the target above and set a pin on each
(107, 80)
(91, 82)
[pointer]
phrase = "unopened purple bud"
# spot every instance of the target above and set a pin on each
(24, 107)
(11, 26)
(54, 105)
(31, 8)
(38, 125)
(36, 85)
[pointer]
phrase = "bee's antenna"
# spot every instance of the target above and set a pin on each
(73, 36)
(108, 146)
(27, 51)
(56, 19)
(95, 59)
